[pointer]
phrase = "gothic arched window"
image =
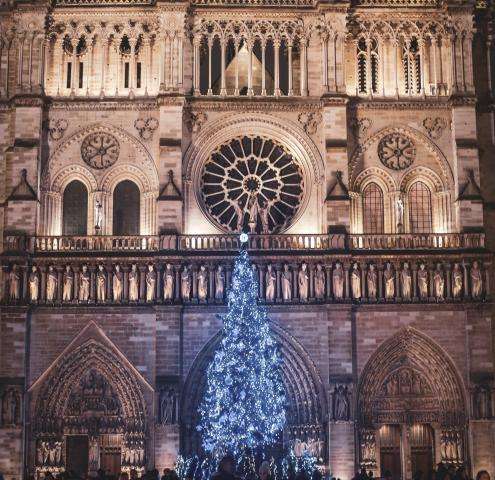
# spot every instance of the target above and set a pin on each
(126, 208)
(420, 216)
(75, 209)
(372, 209)
(411, 59)
(367, 65)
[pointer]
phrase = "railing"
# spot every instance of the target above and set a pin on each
(226, 243)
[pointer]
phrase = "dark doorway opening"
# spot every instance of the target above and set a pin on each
(77, 454)
(126, 207)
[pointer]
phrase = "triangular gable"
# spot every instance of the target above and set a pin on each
(338, 191)
(170, 191)
(470, 190)
(23, 191)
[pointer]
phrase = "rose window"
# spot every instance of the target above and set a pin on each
(252, 184)
(100, 150)
(396, 151)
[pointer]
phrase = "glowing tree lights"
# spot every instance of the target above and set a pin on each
(243, 406)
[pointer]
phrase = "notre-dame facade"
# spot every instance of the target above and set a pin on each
(353, 141)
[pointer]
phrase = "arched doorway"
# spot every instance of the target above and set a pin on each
(90, 413)
(306, 398)
(75, 209)
(411, 408)
(126, 208)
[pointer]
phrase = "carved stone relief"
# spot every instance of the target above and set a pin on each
(396, 151)
(57, 128)
(100, 150)
(434, 127)
(310, 121)
(146, 127)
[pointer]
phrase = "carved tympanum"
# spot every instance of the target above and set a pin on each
(100, 150)
(396, 151)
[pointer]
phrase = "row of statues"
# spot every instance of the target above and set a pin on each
(296, 283)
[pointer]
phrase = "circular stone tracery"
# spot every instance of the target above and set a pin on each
(100, 150)
(396, 151)
(254, 178)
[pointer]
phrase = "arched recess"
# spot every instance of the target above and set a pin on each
(306, 396)
(126, 208)
(75, 209)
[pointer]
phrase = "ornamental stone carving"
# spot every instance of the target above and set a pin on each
(310, 121)
(195, 120)
(361, 126)
(169, 406)
(11, 414)
(396, 151)
(57, 128)
(14, 284)
(434, 127)
(100, 150)
(146, 127)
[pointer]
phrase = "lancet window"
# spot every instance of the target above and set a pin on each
(411, 61)
(373, 209)
(367, 65)
(420, 208)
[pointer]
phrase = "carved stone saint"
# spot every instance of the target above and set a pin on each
(84, 281)
(168, 406)
(439, 283)
(68, 284)
(185, 283)
(117, 284)
(219, 283)
(482, 402)
(457, 281)
(101, 284)
(253, 209)
(341, 403)
(338, 281)
(476, 281)
(168, 282)
(239, 211)
(265, 215)
(51, 284)
(11, 408)
(14, 284)
(388, 278)
(319, 282)
(303, 282)
(202, 284)
(371, 278)
(150, 283)
(286, 284)
(406, 281)
(134, 284)
(423, 281)
(356, 282)
(34, 284)
(270, 283)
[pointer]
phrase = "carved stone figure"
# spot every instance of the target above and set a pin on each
(320, 282)
(168, 406)
(101, 284)
(51, 284)
(185, 283)
(11, 408)
(68, 283)
(388, 279)
(303, 283)
(270, 283)
(439, 283)
(117, 284)
(457, 281)
(219, 282)
(150, 283)
(368, 448)
(399, 206)
(239, 211)
(338, 281)
(356, 282)
(134, 284)
(371, 278)
(34, 284)
(253, 209)
(481, 402)
(84, 281)
(286, 284)
(202, 284)
(341, 404)
(423, 281)
(476, 281)
(406, 281)
(14, 284)
(265, 215)
(168, 282)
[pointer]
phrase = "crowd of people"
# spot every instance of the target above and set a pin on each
(441, 472)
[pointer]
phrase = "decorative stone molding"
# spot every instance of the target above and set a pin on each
(57, 128)
(146, 127)
(310, 121)
(195, 120)
(360, 127)
(434, 127)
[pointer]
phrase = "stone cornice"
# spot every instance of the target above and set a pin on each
(103, 105)
(256, 105)
(392, 104)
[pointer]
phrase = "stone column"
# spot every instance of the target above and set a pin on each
(290, 91)
(223, 89)
(276, 53)
(210, 46)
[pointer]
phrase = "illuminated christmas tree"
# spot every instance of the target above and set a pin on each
(244, 403)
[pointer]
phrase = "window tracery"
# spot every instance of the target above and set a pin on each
(411, 60)
(373, 217)
(368, 64)
(420, 212)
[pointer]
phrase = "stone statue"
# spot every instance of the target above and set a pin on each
(98, 216)
(219, 282)
(423, 281)
(34, 284)
(101, 284)
(341, 410)
(253, 212)
(399, 204)
(14, 284)
(168, 406)
(84, 281)
(303, 282)
(185, 283)
(388, 278)
(457, 281)
(134, 284)
(239, 211)
(202, 284)
(476, 281)
(270, 283)
(338, 281)
(168, 282)
(439, 283)
(150, 283)
(406, 281)
(51, 284)
(68, 283)
(356, 282)
(117, 284)
(11, 408)
(286, 284)
(265, 215)
(482, 402)
(320, 282)
(372, 278)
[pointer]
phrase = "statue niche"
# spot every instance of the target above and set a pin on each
(11, 408)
